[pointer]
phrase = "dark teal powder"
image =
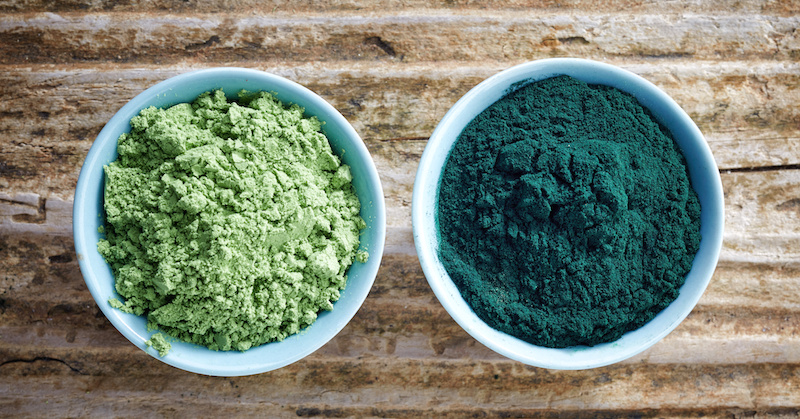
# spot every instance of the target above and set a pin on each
(565, 214)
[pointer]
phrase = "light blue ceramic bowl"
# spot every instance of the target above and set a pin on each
(704, 177)
(88, 217)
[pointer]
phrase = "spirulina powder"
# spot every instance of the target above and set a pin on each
(565, 214)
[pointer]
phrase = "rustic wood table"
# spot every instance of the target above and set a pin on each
(393, 69)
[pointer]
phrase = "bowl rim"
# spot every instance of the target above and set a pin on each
(425, 195)
(361, 275)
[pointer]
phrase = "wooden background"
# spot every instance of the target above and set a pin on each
(393, 68)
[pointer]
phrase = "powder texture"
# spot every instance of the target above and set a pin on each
(229, 224)
(565, 214)
(159, 343)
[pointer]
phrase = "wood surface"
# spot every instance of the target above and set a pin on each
(393, 69)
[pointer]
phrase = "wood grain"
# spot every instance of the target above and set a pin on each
(393, 69)
(284, 7)
(457, 389)
(405, 36)
(747, 112)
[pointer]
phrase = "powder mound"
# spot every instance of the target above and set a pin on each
(566, 216)
(229, 224)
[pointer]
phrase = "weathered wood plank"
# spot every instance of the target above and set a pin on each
(393, 69)
(86, 405)
(746, 111)
(762, 216)
(708, 336)
(762, 219)
(428, 388)
(748, 314)
(283, 7)
(407, 37)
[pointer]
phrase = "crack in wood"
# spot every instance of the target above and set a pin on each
(380, 43)
(45, 359)
(761, 168)
(39, 218)
(200, 45)
(13, 202)
(61, 258)
(483, 412)
(396, 139)
(573, 40)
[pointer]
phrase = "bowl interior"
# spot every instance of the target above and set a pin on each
(703, 173)
(88, 217)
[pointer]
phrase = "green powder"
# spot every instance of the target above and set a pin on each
(565, 214)
(229, 224)
(159, 343)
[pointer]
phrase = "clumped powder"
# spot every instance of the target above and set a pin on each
(565, 214)
(229, 224)
(159, 343)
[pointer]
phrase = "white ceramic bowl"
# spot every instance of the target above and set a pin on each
(702, 171)
(88, 217)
